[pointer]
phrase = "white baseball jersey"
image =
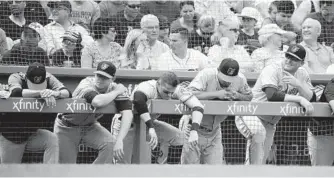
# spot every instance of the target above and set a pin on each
(207, 80)
(193, 60)
(271, 76)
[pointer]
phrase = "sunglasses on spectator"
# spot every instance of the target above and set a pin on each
(247, 19)
(133, 6)
(69, 43)
(235, 30)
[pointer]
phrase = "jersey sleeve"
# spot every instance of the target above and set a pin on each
(54, 83)
(199, 83)
(245, 89)
(182, 93)
(83, 89)
(147, 88)
(15, 81)
(269, 77)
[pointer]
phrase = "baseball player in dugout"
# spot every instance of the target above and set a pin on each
(223, 83)
(166, 87)
(24, 131)
(284, 81)
(71, 129)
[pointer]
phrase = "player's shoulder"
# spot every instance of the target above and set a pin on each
(147, 85)
(273, 68)
(87, 82)
(19, 75)
(302, 72)
(208, 72)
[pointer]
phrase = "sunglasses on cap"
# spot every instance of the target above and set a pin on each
(133, 6)
(235, 30)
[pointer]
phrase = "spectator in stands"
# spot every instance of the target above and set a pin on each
(149, 52)
(98, 91)
(222, 83)
(201, 38)
(27, 51)
(111, 8)
(85, 12)
(188, 18)
(229, 29)
(164, 29)
(326, 19)
(180, 57)
(280, 82)
(169, 9)
(270, 37)
(61, 11)
(22, 13)
(3, 43)
(127, 20)
(22, 131)
(318, 57)
(272, 12)
(133, 40)
(304, 9)
(263, 6)
(103, 48)
(70, 53)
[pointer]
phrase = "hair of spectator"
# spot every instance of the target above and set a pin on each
(130, 41)
(315, 23)
(183, 32)
(206, 21)
(102, 26)
(148, 18)
(183, 3)
(169, 78)
(273, 4)
(285, 6)
(263, 39)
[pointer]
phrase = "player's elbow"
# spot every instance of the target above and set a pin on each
(16, 92)
(139, 102)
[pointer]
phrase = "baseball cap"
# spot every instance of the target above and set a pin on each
(106, 69)
(36, 76)
(271, 29)
(35, 27)
(250, 12)
(56, 4)
(296, 51)
(229, 69)
(72, 36)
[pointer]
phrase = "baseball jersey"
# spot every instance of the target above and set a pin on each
(193, 60)
(207, 81)
(271, 76)
(18, 127)
(87, 90)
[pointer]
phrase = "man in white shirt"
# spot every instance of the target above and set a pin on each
(180, 57)
(149, 52)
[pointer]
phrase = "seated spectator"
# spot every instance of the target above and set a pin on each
(188, 17)
(164, 30)
(111, 8)
(27, 51)
(169, 9)
(201, 38)
(149, 52)
(25, 132)
(180, 57)
(85, 12)
(272, 12)
(133, 40)
(127, 20)
(326, 19)
(22, 13)
(270, 37)
(248, 34)
(70, 53)
(304, 9)
(103, 48)
(228, 49)
(318, 57)
(61, 11)
(3, 43)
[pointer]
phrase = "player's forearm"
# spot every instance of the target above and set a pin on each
(292, 98)
(206, 95)
(64, 94)
(103, 100)
(127, 118)
(245, 97)
(27, 93)
(305, 91)
(197, 117)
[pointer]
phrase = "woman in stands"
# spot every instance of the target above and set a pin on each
(103, 48)
(188, 17)
(132, 41)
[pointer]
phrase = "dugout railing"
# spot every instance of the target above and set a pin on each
(290, 136)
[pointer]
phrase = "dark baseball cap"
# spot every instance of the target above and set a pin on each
(106, 69)
(229, 70)
(296, 52)
(56, 4)
(36, 76)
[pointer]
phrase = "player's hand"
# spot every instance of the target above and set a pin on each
(232, 95)
(118, 149)
(221, 94)
(290, 79)
(50, 101)
(307, 105)
(193, 138)
(47, 93)
(120, 89)
(153, 138)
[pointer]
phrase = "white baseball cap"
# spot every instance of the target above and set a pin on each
(250, 12)
(271, 29)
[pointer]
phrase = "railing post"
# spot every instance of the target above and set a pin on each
(141, 150)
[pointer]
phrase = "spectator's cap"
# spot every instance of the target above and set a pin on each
(296, 51)
(229, 70)
(36, 76)
(36, 27)
(163, 22)
(60, 3)
(106, 69)
(250, 12)
(271, 29)
(72, 36)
